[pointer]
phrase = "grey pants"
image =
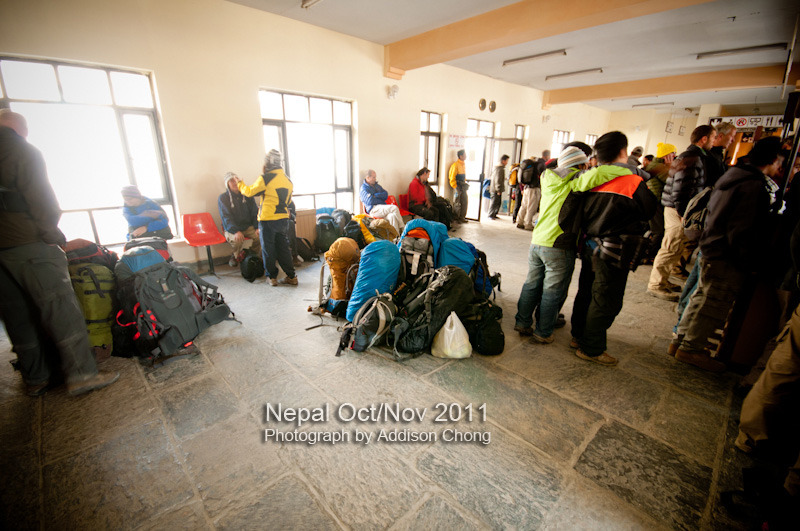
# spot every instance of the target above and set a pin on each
(460, 200)
(40, 310)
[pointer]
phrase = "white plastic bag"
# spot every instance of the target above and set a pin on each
(452, 340)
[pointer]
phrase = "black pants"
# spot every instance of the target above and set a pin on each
(517, 203)
(439, 211)
(601, 288)
(275, 246)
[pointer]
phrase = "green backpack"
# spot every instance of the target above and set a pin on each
(94, 287)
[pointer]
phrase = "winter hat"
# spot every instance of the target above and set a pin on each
(572, 156)
(131, 191)
(228, 176)
(637, 151)
(665, 149)
(273, 159)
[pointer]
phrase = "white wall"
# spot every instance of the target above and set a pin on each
(210, 57)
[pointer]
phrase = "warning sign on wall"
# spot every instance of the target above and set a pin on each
(750, 122)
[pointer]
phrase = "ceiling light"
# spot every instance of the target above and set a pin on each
(653, 104)
(537, 56)
(576, 73)
(734, 51)
(305, 4)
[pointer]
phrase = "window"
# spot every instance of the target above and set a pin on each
(97, 129)
(559, 139)
(430, 135)
(314, 134)
(480, 128)
(591, 139)
(519, 134)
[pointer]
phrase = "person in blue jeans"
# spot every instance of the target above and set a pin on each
(551, 256)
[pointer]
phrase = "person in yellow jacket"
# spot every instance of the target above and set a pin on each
(275, 190)
(458, 182)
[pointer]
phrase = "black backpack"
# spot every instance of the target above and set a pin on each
(694, 218)
(327, 231)
(373, 321)
(306, 251)
(527, 173)
(341, 217)
(482, 322)
(353, 230)
(252, 267)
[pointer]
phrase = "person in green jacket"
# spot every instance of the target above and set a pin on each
(551, 256)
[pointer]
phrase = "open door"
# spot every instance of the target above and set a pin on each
(478, 155)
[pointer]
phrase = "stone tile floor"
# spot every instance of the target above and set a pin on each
(645, 445)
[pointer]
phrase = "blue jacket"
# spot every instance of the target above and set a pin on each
(238, 212)
(135, 219)
(372, 195)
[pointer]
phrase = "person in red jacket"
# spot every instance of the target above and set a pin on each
(423, 202)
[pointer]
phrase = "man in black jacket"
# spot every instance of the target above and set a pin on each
(239, 215)
(687, 177)
(613, 213)
(732, 246)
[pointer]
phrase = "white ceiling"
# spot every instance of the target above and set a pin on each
(658, 45)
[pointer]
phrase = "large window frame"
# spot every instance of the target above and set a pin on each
(430, 137)
(560, 138)
(342, 171)
(120, 112)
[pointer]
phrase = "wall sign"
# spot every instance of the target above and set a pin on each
(749, 122)
(456, 141)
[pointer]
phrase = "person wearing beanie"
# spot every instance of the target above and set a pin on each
(687, 178)
(457, 177)
(633, 159)
(239, 215)
(551, 255)
(145, 217)
(275, 190)
(659, 171)
(613, 220)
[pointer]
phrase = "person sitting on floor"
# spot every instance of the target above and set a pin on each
(374, 198)
(145, 217)
(423, 201)
(239, 215)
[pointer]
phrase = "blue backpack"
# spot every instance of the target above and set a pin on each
(485, 282)
(457, 252)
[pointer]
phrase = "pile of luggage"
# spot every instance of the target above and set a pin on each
(143, 304)
(404, 295)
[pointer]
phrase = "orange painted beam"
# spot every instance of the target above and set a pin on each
(743, 78)
(514, 24)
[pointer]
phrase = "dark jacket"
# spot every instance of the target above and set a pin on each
(737, 226)
(620, 206)
(715, 165)
(29, 211)
(686, 179)
(238, 212)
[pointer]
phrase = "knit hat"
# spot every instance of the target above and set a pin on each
(131, 191)
(572, 156)
(665, 149)
(273, 159)
(228, 176)
(637, 151)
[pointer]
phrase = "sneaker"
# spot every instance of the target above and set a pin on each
(664, 294)
(286, 281)
(574, 343)
(541, 339)
(98, 381)
(602, 359)
(273, 281)
(521, 227)
(744, 443)
(700, 359)
(561, 321)
(524, 330)
(232, 262)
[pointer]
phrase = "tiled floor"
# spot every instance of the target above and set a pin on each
(645, 445)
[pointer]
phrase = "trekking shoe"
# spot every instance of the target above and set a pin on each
(273, 281)
(98, 381)
(232, 262)
(541, 339)
(664, 294)
(744, 443)
(602, 359)
(700, 359)
(573, 343)
(521, 227)
(38, 389)
(286, 281)
(524, 330)
(673, 348)
(561, 321)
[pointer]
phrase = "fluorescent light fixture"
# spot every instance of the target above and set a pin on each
(734, 51)
(305, 4)
(653, 104)
(537, 56)
(576, 73)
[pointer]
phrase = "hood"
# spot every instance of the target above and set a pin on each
(738, 175)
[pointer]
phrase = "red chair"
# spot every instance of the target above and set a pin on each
(391, 200)
(200, 230)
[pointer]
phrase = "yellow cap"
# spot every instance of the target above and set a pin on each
(665, 149)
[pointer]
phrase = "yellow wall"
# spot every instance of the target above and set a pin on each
(210, 57)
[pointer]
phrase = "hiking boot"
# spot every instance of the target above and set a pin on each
(38, 389)
(602, 359)
(661, 293)
(524, 330)
(541, 339)
(286, 281)
(673, 348)
(98, 381)
(273, 281)
(521, 227)
(700, 359)
(232, 262)
(574, 343)
(561, 321)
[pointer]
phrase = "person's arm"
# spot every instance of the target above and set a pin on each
(380, 196)
(134, 219)
(452, 175)
(595, 177)
(252, 190)
(685, 182)
(366, 197)
(35, 188)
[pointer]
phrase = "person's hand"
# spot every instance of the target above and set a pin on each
(138, 231)
(155, 214)
(258, 233)
(238, 237)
